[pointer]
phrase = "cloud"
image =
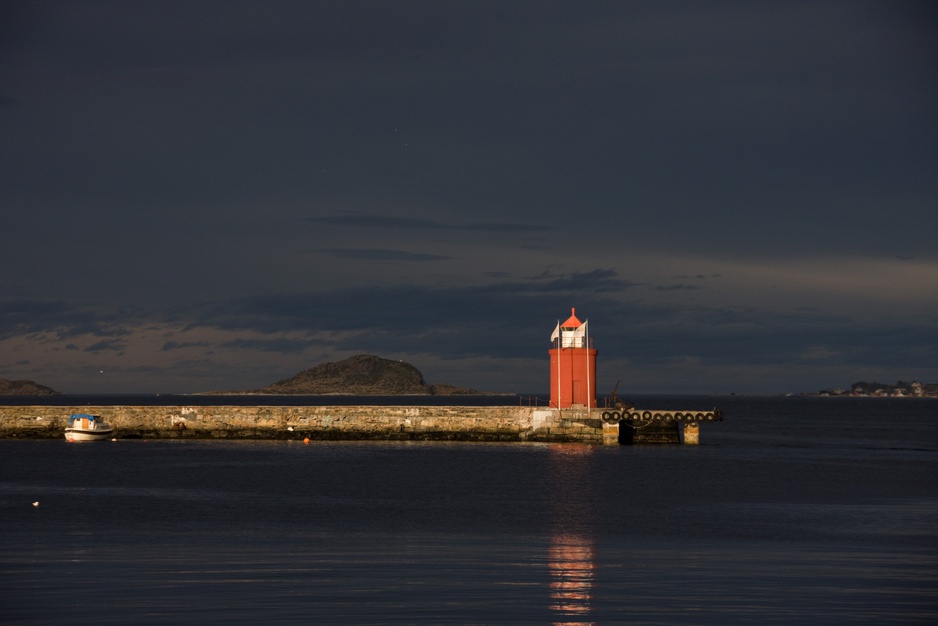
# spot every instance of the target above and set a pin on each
(279, 345)
(377, 221)
(257, 339)
(594, 281)
(452, 323)
(176, 345)
(412, 308)
(61, 319)
(384, 222)
(111, 345)
(378, 255)
(676, 287)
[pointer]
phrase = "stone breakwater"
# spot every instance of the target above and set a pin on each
(439, 423)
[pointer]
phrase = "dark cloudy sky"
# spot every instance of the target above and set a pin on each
(739, 196)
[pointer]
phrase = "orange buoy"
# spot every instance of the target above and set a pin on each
(306, 440)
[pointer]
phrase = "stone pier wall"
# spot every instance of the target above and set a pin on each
(443, 423)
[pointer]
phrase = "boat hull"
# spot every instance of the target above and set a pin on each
(88, 434)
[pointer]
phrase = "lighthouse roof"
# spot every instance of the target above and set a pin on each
(572, 321)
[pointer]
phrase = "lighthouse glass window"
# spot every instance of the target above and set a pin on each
(574, 338)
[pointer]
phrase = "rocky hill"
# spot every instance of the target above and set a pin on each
(364, 374)
(24, 388)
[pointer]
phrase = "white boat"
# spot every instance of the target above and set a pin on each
(84, 427)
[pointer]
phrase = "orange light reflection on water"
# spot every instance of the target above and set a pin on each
(570, 557)
(571, 569)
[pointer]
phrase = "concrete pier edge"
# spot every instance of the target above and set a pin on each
(416, 423)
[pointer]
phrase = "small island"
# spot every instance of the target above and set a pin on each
(363, 375)
(25, 388)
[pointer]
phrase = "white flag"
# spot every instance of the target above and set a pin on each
(556, 333)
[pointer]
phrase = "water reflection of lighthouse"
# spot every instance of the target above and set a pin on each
(571, 551)
(571, 571)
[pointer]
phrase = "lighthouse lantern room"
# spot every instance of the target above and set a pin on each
(572, 365)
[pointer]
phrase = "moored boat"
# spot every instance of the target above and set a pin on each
(85, 427)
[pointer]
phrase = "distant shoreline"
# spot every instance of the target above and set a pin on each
(541, 400)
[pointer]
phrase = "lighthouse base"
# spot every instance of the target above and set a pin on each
(636, 426)
(619, 428)
(654, 432)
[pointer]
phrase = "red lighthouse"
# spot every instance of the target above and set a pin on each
(572, 365)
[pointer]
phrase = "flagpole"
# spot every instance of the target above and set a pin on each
(559, 348)
(588, 388)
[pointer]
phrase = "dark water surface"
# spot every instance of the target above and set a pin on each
(804, 510)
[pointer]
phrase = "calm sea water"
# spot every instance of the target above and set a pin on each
(803, 510)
